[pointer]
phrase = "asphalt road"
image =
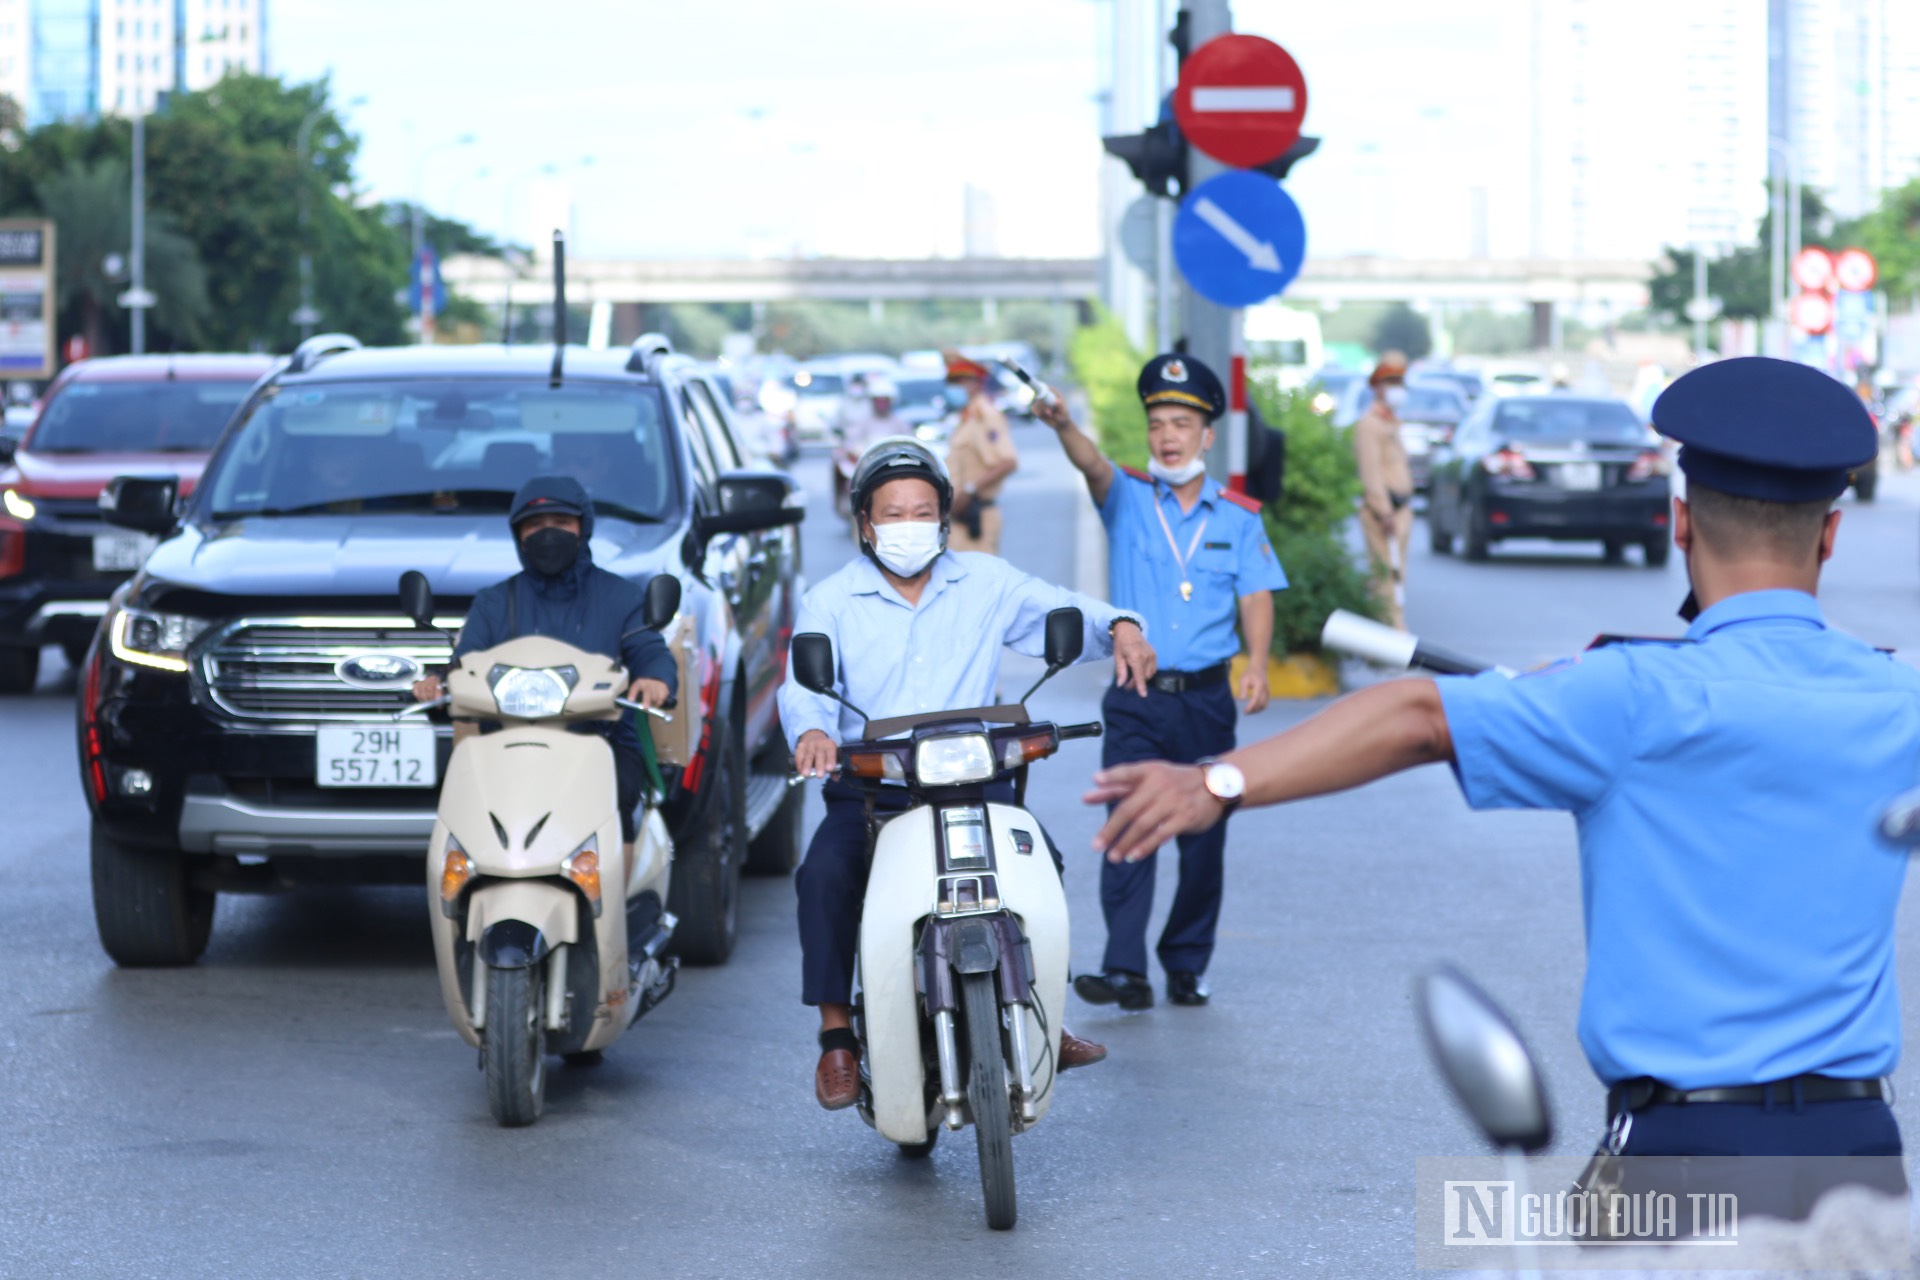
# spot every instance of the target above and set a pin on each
(296, 1105)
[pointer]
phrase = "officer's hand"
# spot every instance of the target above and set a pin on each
(1153, 802)
(1254, 691)
(1053, 412)
(648, 693)
(815, 755)
(1134, 660)
(427, 688)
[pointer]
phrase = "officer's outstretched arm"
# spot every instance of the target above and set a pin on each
(1369, 735)
(1081, 450)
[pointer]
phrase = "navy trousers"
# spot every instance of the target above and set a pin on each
(1863, 1130)
(1183, 728)
(832, 885)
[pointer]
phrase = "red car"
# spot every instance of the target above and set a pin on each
(121, 415)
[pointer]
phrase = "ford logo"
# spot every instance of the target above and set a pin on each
(378, 670)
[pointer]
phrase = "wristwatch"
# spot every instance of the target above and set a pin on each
(1224, 783)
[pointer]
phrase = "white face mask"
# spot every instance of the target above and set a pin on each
(1396, 398)
(907, 546)
(1176, 476)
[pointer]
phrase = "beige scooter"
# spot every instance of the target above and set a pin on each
(547, 940)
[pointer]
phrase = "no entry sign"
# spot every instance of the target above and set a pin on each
(1855, 269)
(1241, 99)
(1812, 270)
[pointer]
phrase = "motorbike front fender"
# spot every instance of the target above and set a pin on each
(521, 920)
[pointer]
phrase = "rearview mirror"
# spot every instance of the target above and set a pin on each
(141, 503)
(811, 662)
(1066, 636)
(753, 501)
(1484, 1060)
(663, 601)
(416, 597)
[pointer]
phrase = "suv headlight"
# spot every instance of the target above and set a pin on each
(941, 762)
(530, 693)
(17, 504)
(157, 640)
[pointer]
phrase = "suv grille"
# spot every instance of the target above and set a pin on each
(288, 670)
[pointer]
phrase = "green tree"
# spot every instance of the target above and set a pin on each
(1891, 233)
(1403, 329)
(91, 205)
(1743, 278)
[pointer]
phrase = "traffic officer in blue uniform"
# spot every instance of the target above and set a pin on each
(1193, 559)
(1740, 996)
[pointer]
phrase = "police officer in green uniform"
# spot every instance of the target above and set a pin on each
(1740, 996)
(1192, 558)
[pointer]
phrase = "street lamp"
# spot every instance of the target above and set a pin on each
(307, 316)
(420, 230)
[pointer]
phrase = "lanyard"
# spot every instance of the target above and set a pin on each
(1186, 583)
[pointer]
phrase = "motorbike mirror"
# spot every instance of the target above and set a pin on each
(416, 597)
(812, 662)
(663, 601)
(1484, 1060)
(1066, 633)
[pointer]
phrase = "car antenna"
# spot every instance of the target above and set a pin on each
(559, 305)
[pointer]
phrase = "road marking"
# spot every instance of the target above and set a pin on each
(1244, 97)
(1259, 254)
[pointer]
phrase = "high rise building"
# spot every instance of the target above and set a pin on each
(80, 59)
(1843, 86)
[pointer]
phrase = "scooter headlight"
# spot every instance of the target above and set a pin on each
(531, 693)
(942, 762)
(455, 872)
(582, 866)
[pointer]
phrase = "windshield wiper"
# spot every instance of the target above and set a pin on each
(601, 507)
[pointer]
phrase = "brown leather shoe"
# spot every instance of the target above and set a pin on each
(1075, 1052)
(836, 1081)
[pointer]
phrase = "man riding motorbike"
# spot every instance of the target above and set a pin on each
(561, 593)
(916, 628)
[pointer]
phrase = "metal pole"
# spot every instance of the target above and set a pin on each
(306, 316)
(138, 283)
(1165, 286)
(1213, 332)
(1700, 302)
(1777, 236)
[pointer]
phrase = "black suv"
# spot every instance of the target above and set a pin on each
(268, 617)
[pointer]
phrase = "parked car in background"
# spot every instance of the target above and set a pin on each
(1556, 466)
(235, 714)
(1469, 384)
(818, 389)
(59, 561)
(1329, 385)
(1285, 342)
(922, 400)
(1517, 380)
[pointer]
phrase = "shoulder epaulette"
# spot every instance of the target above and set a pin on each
(1241, 500)
(1601, 642)
(1135, 472)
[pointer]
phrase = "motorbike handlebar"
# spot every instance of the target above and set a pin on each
(421, 708)
(1092, 729)
(631, 705)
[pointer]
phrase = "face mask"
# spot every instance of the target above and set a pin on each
(907, 546)
(1176, 476)
(550, 551)
(1396, 398)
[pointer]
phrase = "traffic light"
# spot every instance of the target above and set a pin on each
(1158, 155)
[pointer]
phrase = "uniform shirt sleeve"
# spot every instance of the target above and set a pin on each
(1258, 569)
(802, 709)
(486, 623)
(1118, 496)
(1556, 738)
(996, 440)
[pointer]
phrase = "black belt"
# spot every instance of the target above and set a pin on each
(1182, 681)
(1633, 1095)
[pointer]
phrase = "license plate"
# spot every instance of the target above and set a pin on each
(116, 551)
(375, 756)
(1580, 475)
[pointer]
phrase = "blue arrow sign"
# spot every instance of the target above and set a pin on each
(1239, 238)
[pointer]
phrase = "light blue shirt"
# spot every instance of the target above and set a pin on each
(1739, 905)
(1231, 558)
(898, 660)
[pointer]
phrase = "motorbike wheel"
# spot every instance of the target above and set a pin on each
(516, 1046)
(705, 891)
(921, 1150)
(988, 1097)
(145, 905)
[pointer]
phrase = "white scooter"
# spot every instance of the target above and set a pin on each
(963, 933)
(526, 850)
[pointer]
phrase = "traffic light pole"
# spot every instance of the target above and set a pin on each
(1213, 332)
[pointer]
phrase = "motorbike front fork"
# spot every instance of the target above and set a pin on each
(947, 1049)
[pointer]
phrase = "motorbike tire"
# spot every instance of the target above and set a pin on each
(988, 1098)
(19, 669)
(145, 906)
(705, 891)
(516, 1035)
(776, 850)
(921, 1150)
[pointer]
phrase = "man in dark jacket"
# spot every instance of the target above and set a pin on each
(560, 593)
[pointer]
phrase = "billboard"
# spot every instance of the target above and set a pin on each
(28, 299)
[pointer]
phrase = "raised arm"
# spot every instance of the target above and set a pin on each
(1081, 450)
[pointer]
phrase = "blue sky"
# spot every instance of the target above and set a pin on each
(736, 127)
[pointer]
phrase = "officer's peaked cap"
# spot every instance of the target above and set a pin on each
(1774, 430)
(1180, 379)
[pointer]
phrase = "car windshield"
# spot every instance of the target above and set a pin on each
(444, 446)
(921, 391)
(810, 383)
(1423, 404)
(138, 417)
(1595, 421)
